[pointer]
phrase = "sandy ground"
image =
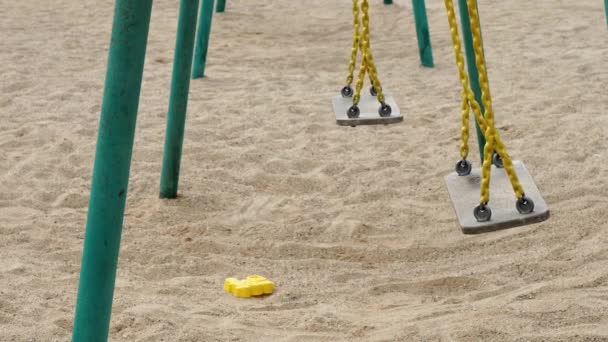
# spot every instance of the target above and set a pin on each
(355, 226)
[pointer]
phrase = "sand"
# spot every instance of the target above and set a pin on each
(354, 225)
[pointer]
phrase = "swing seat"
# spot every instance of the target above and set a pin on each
(369, 111)
(464, 192)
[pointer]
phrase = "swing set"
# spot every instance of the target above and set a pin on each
(469, 188)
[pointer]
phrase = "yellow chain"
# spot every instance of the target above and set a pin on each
(493, 141)
(356, 43)
(464, 131)
(362, 70)
(464, 79)
(361, 41)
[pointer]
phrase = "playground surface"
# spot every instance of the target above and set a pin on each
(354, 225)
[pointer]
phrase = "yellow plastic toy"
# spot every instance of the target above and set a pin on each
(253, 285)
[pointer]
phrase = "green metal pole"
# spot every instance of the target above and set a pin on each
(388, 2)
(111, 170)
(606, 9)
(178, 100)
(202, 39)
(221, 6)
(423, 33)
(472, 67)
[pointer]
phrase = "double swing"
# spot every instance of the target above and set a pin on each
(469, 188)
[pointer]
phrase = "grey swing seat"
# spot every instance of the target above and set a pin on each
(369, 111)
(464, 193)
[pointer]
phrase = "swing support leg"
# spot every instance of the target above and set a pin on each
(423, 33)
(111, 170)
(178, 101)
(606, 9)
(221, 6)
(472, 67)
(202, 39)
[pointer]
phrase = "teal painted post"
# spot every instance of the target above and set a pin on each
(388, 2)
(178, 100)
(472, 67)
(221, 6)
(111, 170)
(606, 9)
(202, 39)
(423, 33)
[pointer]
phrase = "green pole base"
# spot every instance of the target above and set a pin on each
(606, 9)
(467, 38)
(178, 100)
(202, 39)
(423, 34)
(221, 6)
